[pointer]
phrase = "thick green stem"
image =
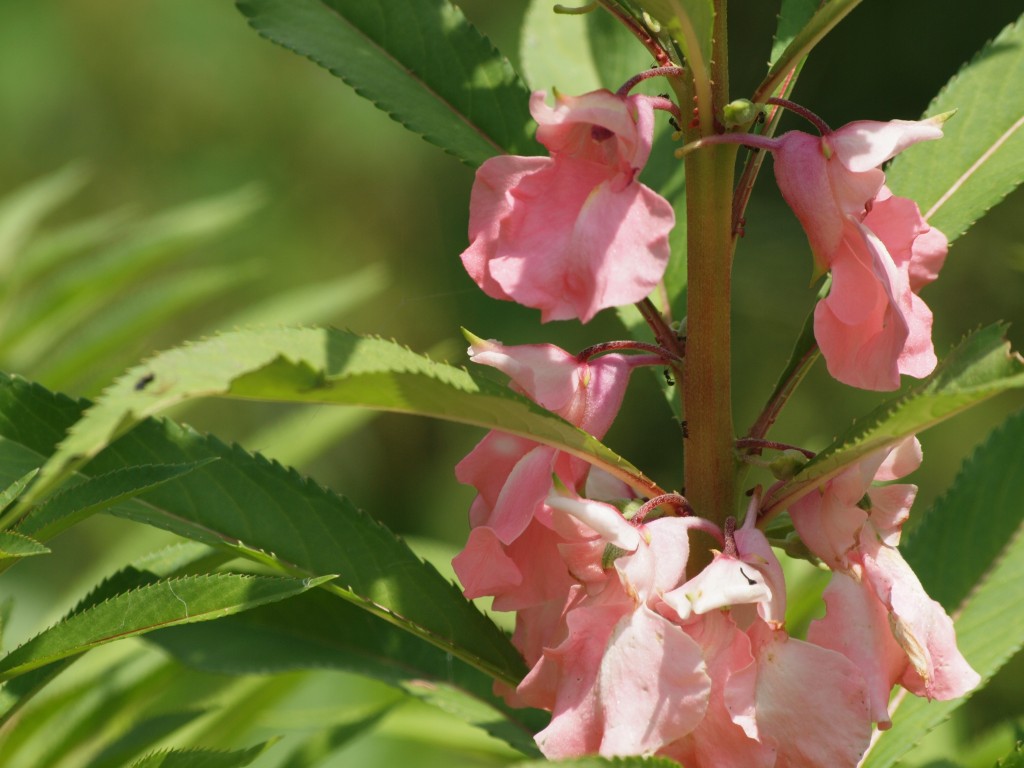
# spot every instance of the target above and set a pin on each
(710, 460)
(710, 467)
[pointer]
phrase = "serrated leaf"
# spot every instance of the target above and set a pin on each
(981, 367)
(1013, 760)
(72, 505)
(15, 489)
(827, 16)
(981, 156)
(418, 60)
(141, 735)
(256, 508)
(794, 15)
(202, 758)
(964, 531)
(990, 623)
(317, 631)
(162, 604)
(315, 365)
(15, 545)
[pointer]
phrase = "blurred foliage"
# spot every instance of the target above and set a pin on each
(179, 113)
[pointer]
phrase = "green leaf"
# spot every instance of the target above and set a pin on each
(981, 157)
(317, 366)
(255, 507)
(577, 53)
(979, 368)
(202, 758)
(418, 60)
(165, 603)
(990, 621)
(326, 742)
(74, 504)
(966, 529)
(15, 545)
(1013, 760)
(318, 631)
(141, 735)
(23, 210)
(794, 15)
(828, 15)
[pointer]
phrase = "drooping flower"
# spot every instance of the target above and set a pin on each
(878, 614)
(872, 327)
(513, 474)
(572, 233)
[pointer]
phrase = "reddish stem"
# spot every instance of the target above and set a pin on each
(757, 444)
(647, 74)
(663, 355)
(677, 501)
(804, 112)
(639, 32)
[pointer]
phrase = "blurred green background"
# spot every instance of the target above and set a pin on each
(301, 183)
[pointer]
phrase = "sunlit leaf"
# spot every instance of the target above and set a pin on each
(317, 366)
(418, 60)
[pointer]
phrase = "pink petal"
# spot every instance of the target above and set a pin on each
(921, 626)
(653, 683)
(483, 567)
(867, 144)
(810, 702)
(856, 625)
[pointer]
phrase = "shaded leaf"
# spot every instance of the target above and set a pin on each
(981, 157)
(165, 603)
(14, 545)
(326, 742)
(316, 630)
(418, 60)
(72, 505)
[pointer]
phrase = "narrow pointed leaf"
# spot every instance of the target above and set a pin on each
(981, 156)
(315, 365)
(202, 758)
(15, 545)
(794, 15)
(829, 14)
(15, 489)
(163, 604)
(323, 744)
(418, 60)
(958, 560)
(260, 510)
(74, 504)
(981, 367)
(318, 631)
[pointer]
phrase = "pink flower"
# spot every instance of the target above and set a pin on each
(872, 327)
(878, 613)
(572, 233)
(512, 474)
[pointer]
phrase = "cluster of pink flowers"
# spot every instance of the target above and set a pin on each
(633, 647)
(872, 326)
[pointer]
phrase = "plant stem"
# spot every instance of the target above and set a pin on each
(710, 467)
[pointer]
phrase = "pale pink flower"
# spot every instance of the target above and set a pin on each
(878, 613)
(512, 474)
(572, 233)
(872, 327)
